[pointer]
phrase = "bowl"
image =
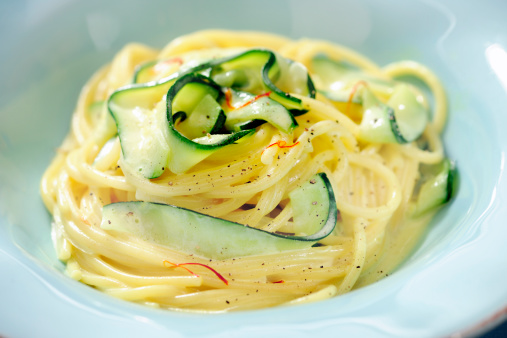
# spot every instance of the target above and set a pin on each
(452, 283)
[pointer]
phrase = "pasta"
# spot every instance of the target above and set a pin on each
(378, 183)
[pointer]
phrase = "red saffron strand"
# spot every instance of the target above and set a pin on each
(177, 60)
(279, 282)
(113, 197)
(353, 92)
(174, 265)
(157, 67)
(255, 99)
(181, 265)
(228, 99)
(281, 144)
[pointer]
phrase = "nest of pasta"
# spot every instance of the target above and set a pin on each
(227, 128)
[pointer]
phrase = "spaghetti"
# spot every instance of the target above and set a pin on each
(378, 181)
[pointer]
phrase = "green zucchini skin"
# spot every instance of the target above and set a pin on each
(207, 236)
(256, 112)
(171, 149)
(142, 68)
(267, 70)
(185, 153)
(171, 94)
(334, 76)
(382, 123)
(436, 187)
(168, 148)
(401, 120)
(284, 98)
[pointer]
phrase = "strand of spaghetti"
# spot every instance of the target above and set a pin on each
(62, 245)
(80, 126)
(310, 166)
(408, 175)
(100, 267)
(359, 256)
(321, 274)
(311, 48)
(212, 206)
(225, 300)
(101, 282)
(108, 158)
(327, 112)
(207, 180)
(48, 185)
(269, 152)
(268, 201)
(292, 261)
(83, 172)
(222, 39)
(279, 168)
(125, 62)
(393, 188)
(433, 156)
(324, 293)
(73, 269)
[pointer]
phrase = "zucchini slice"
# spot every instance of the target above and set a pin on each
(401, 120)
(144, 137)
(148, 137)
(259, 70)
(334, 79)
(310, 206)
(214, 238)
(185, 153)
(436, 187)
(244, 110)
(150, 144)
(206, 118)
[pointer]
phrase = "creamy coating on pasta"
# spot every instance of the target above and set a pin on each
(319, 108)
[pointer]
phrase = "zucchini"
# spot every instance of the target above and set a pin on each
(278, 94)
(253, 110)
(410, 116)
(310, 204)
(190, 62)
(206, 118)
(186, 153)
(151, 143)
(401, 120)
(259, 70)
(149, 140)
(144, 138)
(243, 71)
(144, 72)
(141, 121)
(435, 188)
(214, 238)
(334, 79)
(197, 102)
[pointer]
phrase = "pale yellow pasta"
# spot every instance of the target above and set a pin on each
(373, 185)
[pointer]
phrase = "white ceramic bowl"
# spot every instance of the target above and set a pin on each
(453, 282)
